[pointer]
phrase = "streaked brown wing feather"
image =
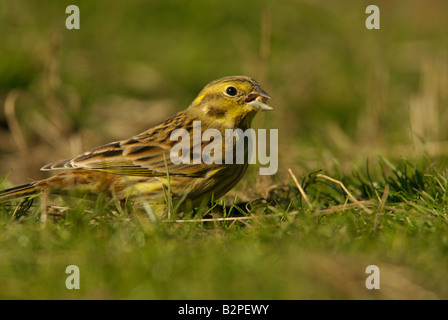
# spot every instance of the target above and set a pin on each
(146, 154)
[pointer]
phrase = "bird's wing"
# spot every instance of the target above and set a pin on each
(146, 154)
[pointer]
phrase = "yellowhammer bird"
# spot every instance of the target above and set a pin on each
(136, 167)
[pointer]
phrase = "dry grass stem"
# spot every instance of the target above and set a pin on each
(351, 197)
(43, 206)
(14, 126)
(14, 214)
(302, 192)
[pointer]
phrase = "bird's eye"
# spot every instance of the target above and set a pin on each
(231, 91)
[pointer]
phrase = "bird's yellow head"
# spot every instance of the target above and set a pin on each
(230, 102)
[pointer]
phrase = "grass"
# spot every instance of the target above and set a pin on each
(362, 149)
(281, 249)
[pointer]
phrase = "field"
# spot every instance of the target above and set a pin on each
(362, 118)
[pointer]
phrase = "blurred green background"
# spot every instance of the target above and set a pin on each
(342, 94)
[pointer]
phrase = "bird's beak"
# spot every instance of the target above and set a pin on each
(257, 99)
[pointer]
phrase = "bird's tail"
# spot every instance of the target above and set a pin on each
(83, 180)
(23, 191)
